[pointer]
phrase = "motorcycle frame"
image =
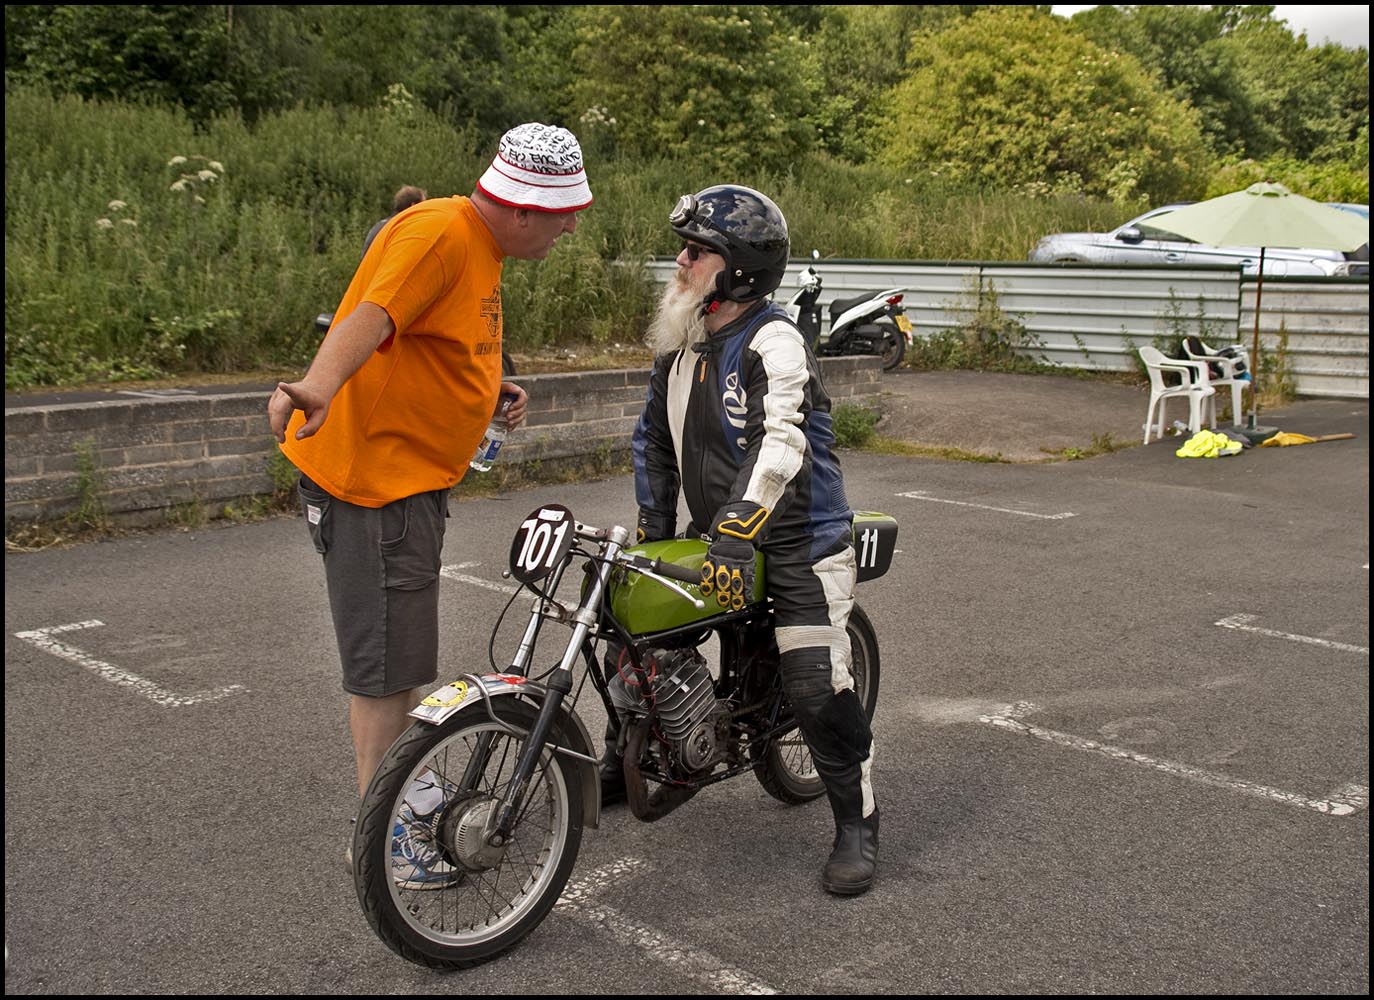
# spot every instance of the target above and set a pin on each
(734, 680)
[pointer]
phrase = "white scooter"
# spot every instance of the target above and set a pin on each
(870, 323)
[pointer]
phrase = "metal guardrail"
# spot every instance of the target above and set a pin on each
(1092, 317)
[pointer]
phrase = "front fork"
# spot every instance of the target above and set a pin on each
(559, 687)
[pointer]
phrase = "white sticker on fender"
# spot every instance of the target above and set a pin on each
(442, 703)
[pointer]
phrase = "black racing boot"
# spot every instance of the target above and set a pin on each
(612, 771)
(854, 859)
(854, 855)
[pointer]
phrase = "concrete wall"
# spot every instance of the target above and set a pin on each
(140, 457)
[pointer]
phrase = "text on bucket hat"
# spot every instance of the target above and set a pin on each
(538, 167)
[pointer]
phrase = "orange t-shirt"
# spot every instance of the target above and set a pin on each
(410, 418)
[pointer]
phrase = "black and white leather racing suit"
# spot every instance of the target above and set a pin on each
(745, 417)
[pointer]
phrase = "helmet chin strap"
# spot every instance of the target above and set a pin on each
(715, 297)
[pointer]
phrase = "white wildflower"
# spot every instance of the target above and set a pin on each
(206, 175)
(128, 222)
(176, 161)
(216, 166)
(180, 185)
(116, 205)
(104, 223)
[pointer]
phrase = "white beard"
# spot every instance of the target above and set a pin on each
(679, 322)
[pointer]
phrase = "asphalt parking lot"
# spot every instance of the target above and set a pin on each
(1122, 747)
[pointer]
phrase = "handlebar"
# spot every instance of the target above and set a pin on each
(671, 570)
(650, 567)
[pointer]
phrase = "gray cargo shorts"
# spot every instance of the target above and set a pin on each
(381, 566)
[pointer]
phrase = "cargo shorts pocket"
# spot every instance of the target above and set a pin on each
(316, 505)
(413, 540)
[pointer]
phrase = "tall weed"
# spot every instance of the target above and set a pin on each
(138, 244)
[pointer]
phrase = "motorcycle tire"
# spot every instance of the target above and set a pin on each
(893, 346)
(785, 769)
(475, 902)
(507, 365)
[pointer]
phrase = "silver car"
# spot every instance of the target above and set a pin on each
(1138, 242)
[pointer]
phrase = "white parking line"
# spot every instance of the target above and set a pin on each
(921, 495)
(43, 639)
(683, 959)
(1344, 801)
(1241, 622)
(452, 573)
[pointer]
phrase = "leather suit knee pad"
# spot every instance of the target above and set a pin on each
(835, 725)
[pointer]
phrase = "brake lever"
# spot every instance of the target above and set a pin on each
(697, 603)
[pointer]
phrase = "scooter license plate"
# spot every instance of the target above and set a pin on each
(903, 323)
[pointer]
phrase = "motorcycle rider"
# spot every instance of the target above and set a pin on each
(737, 418)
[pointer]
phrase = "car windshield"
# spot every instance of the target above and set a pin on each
(1155, 233)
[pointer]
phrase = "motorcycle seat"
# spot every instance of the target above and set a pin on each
(840, 305)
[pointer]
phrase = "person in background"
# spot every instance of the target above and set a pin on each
(388, 415)
(404, 198)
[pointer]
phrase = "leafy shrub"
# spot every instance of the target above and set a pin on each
(854, 425)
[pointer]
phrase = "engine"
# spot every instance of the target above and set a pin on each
(676, 684)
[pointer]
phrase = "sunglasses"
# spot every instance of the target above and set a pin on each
(695, 250)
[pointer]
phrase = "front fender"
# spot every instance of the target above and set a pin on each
(570, 734)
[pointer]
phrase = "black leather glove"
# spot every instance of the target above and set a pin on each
(728, 572)
(740, 519)
(654, 527)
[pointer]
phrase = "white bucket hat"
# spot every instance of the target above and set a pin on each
(538, 167)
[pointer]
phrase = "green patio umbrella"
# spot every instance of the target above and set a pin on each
(1266, 215)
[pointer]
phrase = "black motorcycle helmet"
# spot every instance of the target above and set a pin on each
(746, 229)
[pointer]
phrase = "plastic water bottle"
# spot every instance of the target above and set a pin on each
(494, 437)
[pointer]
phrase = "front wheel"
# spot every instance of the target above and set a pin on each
(785, 768)
(893, 346)
(432, 887)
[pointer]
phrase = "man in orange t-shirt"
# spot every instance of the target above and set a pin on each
(394, 405)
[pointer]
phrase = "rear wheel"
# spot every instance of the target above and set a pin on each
(432, 887)
(785, 768)
(893, 346)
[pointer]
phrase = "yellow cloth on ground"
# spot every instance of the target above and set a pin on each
(1284, 438)
(1208, 444)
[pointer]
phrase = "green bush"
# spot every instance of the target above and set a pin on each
(853, 425)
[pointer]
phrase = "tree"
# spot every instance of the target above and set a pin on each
(860, 53)
(173, 55)
(724, 86)
(1183, 45)
(1311, 102)
(1011, 97)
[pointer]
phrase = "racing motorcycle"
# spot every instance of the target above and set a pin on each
(498, 776)
(869, 323)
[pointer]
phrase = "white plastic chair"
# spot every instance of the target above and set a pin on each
(1234, 368)
(1194, 385)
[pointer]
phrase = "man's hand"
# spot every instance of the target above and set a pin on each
(728, 572)
(654, 527)
(349, 344)
(515, 416)
(292, 396)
